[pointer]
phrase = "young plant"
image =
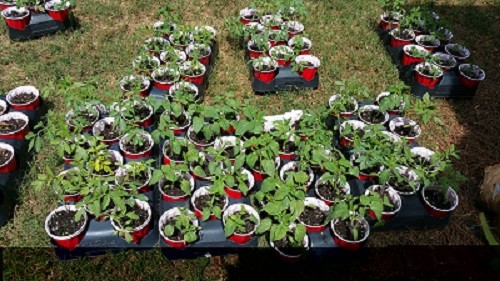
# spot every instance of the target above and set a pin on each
(205, 131)
(261, 153)
(251, 124)
(229, 109)
(203, 36)
(123, 214)
(145, 63)
(398, 99)
(285, 135)
(135, 174)
(181, 36)
(174, 177)
(259, 43)
(182, 226)
(207, 163)
(237, 222)
(174, 117)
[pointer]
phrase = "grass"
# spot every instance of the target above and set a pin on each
(101, 50)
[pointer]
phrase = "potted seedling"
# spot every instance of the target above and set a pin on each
(333, 184)
(204, 35)
(401, 37)
(445, 61)
(394, 100)
(315, 215)
(228, 109)
(342, 105)
(309, 124)
(240, 222)
(237, 180)
(209, 203)
(135, 175)
(413, 21)
(4, 4)
(165, 28)
(286, 138)
(179, 227)
(156, 45)
(201, 52)
(371, 115)
(272, 21)
(301, 45)
(349, 130)
(470, 75)
(459, 52)
(306, 66)
(231, 148)
(403, 180)
(392, 13)
(174, 149)
(405, 128)
(69, 184)
(145, 64)
(8, 162)
(439, 200)
(66, 225)
(97, 197)
(104, 163)
(136, 144)
(174, 119)
(265, 68)
(202, 134)
(24, 98)
(165, 77)
(249, 15)
(14, 125)
(181, 37)
(184, 91)
(428, 74)
(298, 173)
(262, 156)
(413, 54)
(17, 18)
(207, 165)
(283, 55)
(258, 46)
(110, 129)
(314, 154)
(428, 42)
(277, 37)
(137, 111)
(349, 226)
(248, 31)
(390, 199)
(293, 28)
(175, 182)
(134, 84)
(444, 35)
(131, 219)
(251, 125)
(172, 56)
(193, 71)
(82, 116)
(58, 9)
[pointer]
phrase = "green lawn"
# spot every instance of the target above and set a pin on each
(109, 36)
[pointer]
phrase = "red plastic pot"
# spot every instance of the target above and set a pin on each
(384, 24)
(421, 38)
(347, 244)
(61, 15)
(17, 23)
(248, 12)
(322, 206)
(290, 166)
(436, 212)
(346, 114)
(197, 145)
(4, 5)
(448, 47)
(266, 76)
(11, 164)
(468, 81)
(141, 231)
(291, 258)
(445, 57)
(20, 133)
(203, 191)
(171, 213)
(32, 105)
(144, 92)
(255, 54)
(141, 155)
(205, 59)
(297, 25)
(304, 51)
(194, 79)
(233, 209)
(408, 59)
(396, 122)
(308, 73)
(260, 176)
(69, 242)
(395, 200)
(169, 198)
(395, 42)
(148, 121)
(165, 85)
(355, 125)
(426, 80)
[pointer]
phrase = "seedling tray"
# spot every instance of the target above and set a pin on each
(9, 182)
(448, 87)
(41, 24)
(285, 80)
(160, 94)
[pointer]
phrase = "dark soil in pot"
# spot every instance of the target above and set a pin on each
(307, 46)
(176, 157)
(141, 111)
(313, 216)
(437, 199)
(180, 121)
(329, 192)
(406, 130)
(89, 117)
(249, 226)
(204, 166)
(166, 77)
(16, 14)
(174, 188)
(428, 43)
(194, 72)
(110, 132)
(156, 44)
(400, 186)
(292, 29)
(383, 192)
(457, 52)
(289, 146)
(343, 228)
(11, 125)
(427, 70)
(63, 223)
(23, 98)
(141, 213)
(200, 138)
(203, 201)
(372, 116)
(371, 170)
(356, 132)
(136, 149)
(4, 156)
(255, 48)
(266, 67)
(404, 35)
(248, 135)
(229, 152)
(129, 86)
(285, 247)
(252, 16)
(422, 161)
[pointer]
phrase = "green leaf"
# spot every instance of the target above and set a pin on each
(300, 232)
(205, 214)
(268, 167)
(264, 226)
(198, 124)
(229, 228)
(281, 231)
(190, 237)
(199, 171)
(169, 230)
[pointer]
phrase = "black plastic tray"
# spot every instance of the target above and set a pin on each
(41, 24)
(9, 182)
(448, 87)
